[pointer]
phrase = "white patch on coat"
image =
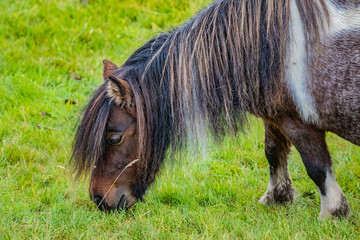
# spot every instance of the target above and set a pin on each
(296, 68)
(298, 80)
(342, 19)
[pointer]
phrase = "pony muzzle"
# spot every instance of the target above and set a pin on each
(123, 201)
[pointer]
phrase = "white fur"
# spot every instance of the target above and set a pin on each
(297, 69)
(342, 19)
(332, 201)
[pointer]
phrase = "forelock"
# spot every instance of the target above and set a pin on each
(89, 144)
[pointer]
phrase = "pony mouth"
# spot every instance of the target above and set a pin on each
(122, 203)
(126, 202)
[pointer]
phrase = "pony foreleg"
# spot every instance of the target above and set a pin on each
(277, 149)
(310, 142)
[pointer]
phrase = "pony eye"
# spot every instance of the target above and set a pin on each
(115, 139)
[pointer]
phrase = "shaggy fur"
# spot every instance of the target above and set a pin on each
(232, 58)
(240, 47)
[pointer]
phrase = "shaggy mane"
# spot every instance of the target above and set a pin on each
(227, 60)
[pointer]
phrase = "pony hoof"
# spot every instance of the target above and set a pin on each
(266, 199)
(327, 215)
(285, 195)
(282, 193)
(342, 211)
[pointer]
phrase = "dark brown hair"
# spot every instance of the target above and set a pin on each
(224, 62)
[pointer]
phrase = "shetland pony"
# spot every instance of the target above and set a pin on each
(293, 63)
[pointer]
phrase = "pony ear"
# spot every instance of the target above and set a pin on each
(120, 92)
(108, 68)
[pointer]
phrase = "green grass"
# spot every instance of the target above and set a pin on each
(52, 51)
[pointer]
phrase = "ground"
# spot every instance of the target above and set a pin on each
(51, 56)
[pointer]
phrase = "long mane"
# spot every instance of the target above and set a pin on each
(227, 60)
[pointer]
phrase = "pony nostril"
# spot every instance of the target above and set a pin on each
(99, 201)
(122, 203)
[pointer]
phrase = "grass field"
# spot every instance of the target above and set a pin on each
(51, 56)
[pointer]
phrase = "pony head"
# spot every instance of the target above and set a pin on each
(107, 144)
